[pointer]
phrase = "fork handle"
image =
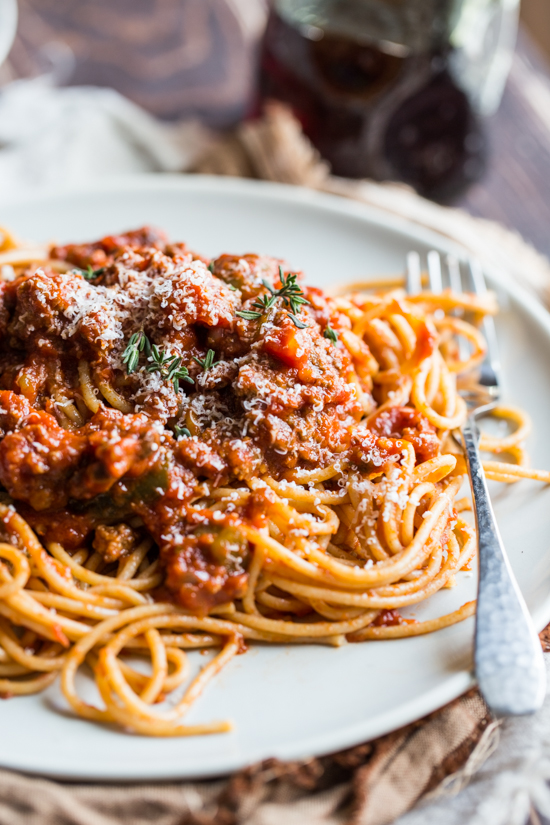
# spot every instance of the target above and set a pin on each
(509, 664)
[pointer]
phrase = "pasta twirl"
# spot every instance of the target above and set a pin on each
(202, 454)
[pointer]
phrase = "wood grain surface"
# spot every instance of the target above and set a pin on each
(176, 58)
(516, 187)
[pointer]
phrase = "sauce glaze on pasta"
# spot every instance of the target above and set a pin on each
(200, 454)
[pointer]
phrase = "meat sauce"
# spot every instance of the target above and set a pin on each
(391, 618)
(409, 424)
(219, 395)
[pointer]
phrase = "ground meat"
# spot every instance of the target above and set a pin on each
(199, 456)
(209, 566)
(102, 252)
(38, 459)
(372, 453)
(195, 375)
(411, 425)
(113, 543)
(41, 303)
(14, 410)
(197, 297)
(46, 465)
(247, 272)
(5, 309)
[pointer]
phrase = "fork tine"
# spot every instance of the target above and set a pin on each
(413, 275)
(455, 279)
(490, 371)
(434, 272)
(454, 274)
(478, 279)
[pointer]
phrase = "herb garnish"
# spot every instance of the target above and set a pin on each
(161, 361)
(248, 315)
(331, 334)
(210, 266)
(264, 302)
(296, 321)
(137, 343)
(90, 274)
(207, 361)
(181, 432)
(169, 366)
(291, 292)
(292, 297)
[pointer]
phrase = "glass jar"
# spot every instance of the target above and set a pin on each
(393, 89)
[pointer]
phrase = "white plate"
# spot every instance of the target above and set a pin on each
(8, 26)
(293, 702)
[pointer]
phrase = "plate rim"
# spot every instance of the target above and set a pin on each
(457, 683)
(8, 17)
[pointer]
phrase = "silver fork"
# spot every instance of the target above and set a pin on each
(509, 665)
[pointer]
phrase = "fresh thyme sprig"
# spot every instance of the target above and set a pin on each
(90, 274)
(248, 315)
(169, 366)
(331, 334)
(181, 432)
(160, 360)
(290, 293)
(264, 302)
(296, 321)
(207, 361)
(179, 374)
(138, 343)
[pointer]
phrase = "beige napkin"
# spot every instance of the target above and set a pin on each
(370, 784)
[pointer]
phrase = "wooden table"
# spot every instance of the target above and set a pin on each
(516, 187)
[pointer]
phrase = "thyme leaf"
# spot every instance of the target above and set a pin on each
(170, 367)
(177, 372)
(248, 315)
(264, 302)
(296, 321)
(207, 361)
(138, 343)
(160, 361)
(90, 274)
(181, 432)
(331, 334)
(290, 293)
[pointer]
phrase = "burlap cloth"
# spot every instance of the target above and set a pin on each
(375, 782)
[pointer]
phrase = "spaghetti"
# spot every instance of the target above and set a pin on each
(200, 454)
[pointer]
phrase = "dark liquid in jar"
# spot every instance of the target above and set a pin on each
(373, 113)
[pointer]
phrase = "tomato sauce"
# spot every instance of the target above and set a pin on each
(201, 373)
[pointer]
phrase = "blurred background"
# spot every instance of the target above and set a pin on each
(535, 14)
(441, 95)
